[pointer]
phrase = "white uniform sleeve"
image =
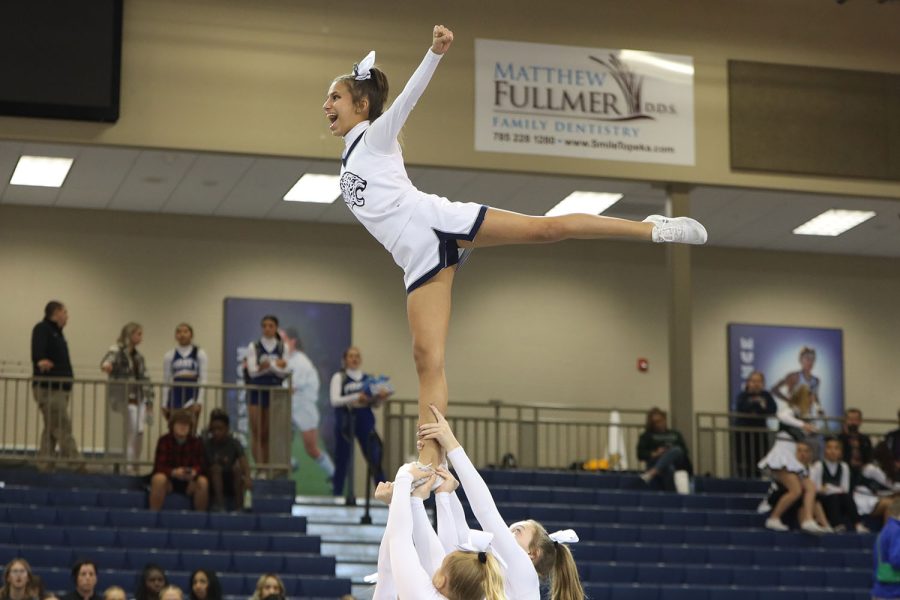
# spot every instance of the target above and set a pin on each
(252, 365)
(203, 376)
(786, 415)
(521, 577)
(410, 578)
(431, 553)
(381, 137)
(452, 527)
(815, 474)
(385, 589)
(336, 398)
(168, 357)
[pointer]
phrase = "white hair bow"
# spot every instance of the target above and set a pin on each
(361, 70)
(480, 541)
(564, 536)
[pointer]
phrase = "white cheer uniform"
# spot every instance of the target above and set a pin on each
(783, 454)
(419, 230)
(305, 396)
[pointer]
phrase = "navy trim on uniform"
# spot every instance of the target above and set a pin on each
(352, 146)
(448, 249)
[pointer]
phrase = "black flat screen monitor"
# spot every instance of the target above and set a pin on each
(61, 58)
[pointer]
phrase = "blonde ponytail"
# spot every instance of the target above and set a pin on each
(493, 580)
(555, 561)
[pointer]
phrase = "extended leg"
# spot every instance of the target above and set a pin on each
(428, 311)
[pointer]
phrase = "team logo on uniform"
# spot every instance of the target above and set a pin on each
(352, 187)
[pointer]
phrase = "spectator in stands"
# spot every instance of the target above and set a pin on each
(887, 556)
(353, 417)
(180, 464)
(171, 592)
(269, 584)
(133, 397)
(114, 592)
(793, 494)
(892, 439)
(205, 586)
(857, 446)
(50, 361)
(185, 367)
(150, 582)
(266, 367)
(879, 483)
(229, 470)
(305, 400)
(750, 446)
(48, 596)
(831, 477)
(665, 453)
(84, 576)
(19, 583)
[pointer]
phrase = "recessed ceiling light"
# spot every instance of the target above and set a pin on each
(834, 222)
(312, 187)
(44, 171)
(592, 203)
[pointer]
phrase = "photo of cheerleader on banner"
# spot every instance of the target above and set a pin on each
(789, 358)
(305, 345)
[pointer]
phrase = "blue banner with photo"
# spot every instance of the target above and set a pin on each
(789, 357)
(324, 332)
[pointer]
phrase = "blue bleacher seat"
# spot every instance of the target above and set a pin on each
(106, 558)
(24, 495)
(295, 543)
(662, 535)
(847, 578)
(330, 587)
(139, 557)
(143, 538)
(260, 562)
(684, 518)
(754, 576)
(84, 516)
(800, 577)
(730, 593)
(682, 592)
(74, 498)
(245, 542)
(661, 574)
(707, 575)
(194, 540)
(684, 554)
(56, 579)
(219, 562)
(281, 523)
(637, 553)
(133, 518)
(272, 504)
(184, 520)
(38, 535)
(46, 556)
(232, 522)
(309, 564)
(233, 583)
(122, 499)
(633, 592)
(35, 515)
(177, 502)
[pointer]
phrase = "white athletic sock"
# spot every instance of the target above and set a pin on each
(324, 461)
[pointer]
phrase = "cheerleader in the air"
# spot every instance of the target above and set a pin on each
(427, 234)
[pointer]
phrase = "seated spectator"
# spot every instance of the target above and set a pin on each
(205, 586)
(171, 592)
(756, 403)
(857, 445)
(180, 464)
(150, 582)
(887, 556)
(229, 470)
(19, 583)
(665, 453)
(269, 584)
(892, 439)
(84, 576)
(832, 480)
(878, 484)
(792, 494)
(114, 592)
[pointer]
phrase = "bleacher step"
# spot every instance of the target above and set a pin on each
(352, 551)
(343, 532)
(339, 514)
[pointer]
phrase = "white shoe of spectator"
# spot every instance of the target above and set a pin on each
(682, 482)
(681, 230)
(776, 525)
(810, 526)
(860, 528)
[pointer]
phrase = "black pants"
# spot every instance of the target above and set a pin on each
(840, 509)
(749, 447)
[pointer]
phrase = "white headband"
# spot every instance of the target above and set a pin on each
(564, 536)
(480, 541)
(361, 70)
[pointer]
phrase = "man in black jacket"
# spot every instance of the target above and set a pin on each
(52, 385)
